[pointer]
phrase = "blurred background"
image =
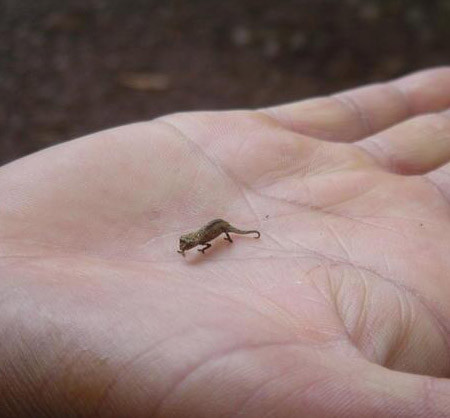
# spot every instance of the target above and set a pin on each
(69, 68)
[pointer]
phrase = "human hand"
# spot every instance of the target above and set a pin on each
(341, 308)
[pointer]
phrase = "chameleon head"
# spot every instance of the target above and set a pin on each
(186, 243)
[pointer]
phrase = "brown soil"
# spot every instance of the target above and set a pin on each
(74, 67)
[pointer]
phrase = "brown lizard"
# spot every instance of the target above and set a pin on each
(207, 233)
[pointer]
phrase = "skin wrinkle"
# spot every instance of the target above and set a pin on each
(40, 244)
(123, 369)
(246, 198)
(309, 253)
(16, 379)
(280, 243)
(329, 258)
(43, 387)
(318, 288)
(438, 189)
(396, 89)
(327, 212)
(68, 370)
(327, 297)
(391, 159)
(274, 175)
(300, 393)
(345, 100)
(143, 353)
(430, 389)
(406, 318)
(322, 210)
(239, 148)
(317, 158)
(24, 380)
(157, 237)
(431, 122)
(297, 245)
(93, 257)
(405, 218)
(246, 307)
(435, 315)
(335, 260)
(226, 173)
(351, 103)
(362, 316)
(79, 273)
(240, 409)
(321, 152)
(400, 340)
(427, 123)
(70, 252)
(356, 220)
(228, 259)
(309, 192)
(316, 152)
(443, 172)
(334, 300)
(387, 267)
(379, 150)
(210, 360)
(163, 121)
(271, 112)
(337, 239)
(235, 302)
(442, 327)
(309, 132)
(322, 255)
(286, 314)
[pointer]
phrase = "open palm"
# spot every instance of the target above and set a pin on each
(341, 308)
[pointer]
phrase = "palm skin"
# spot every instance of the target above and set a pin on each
(339, 309)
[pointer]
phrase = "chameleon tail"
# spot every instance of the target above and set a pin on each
(241, 232)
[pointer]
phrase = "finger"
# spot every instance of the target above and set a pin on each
(354, 114)
(416, 146)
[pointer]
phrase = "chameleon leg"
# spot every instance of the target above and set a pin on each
(204, 248)
(228, 238)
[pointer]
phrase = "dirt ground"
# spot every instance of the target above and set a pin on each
(68, 68)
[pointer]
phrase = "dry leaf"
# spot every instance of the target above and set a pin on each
(145, 81)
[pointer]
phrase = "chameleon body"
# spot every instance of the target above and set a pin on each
(207, 233)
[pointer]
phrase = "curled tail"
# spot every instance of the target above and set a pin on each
(241, 232)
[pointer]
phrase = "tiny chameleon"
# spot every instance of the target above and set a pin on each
(207, 233)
